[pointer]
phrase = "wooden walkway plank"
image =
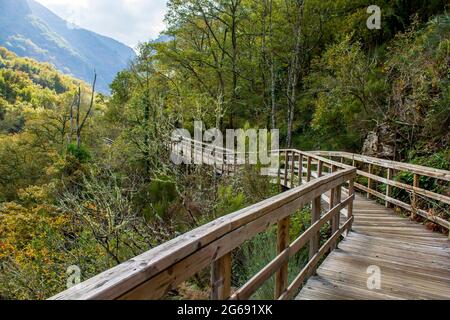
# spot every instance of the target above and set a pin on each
(317, 286)
(414, 262)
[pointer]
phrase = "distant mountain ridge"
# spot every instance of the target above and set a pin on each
(30, 29)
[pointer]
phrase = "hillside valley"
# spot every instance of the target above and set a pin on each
(31, 30)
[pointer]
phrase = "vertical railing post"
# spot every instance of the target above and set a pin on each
(315, 216)
(286, 163)
(221, 278)
(336, 218)
(281, 276)
(351, 192)
(369, 181)
(390, 173)
(292, 169)
(308, 170)
(279, 172)
(319, 168)
(332, 192)
(300, 169)
(414, 204)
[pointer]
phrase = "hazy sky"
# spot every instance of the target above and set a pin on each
(128, 21)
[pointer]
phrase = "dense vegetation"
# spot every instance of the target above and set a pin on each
(100, 190)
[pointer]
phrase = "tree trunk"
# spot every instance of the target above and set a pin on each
(294, 72)
(272, 68)
(234, 57)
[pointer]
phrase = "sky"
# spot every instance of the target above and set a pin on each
(128, 21)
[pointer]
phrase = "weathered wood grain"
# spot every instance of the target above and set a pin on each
(414, 262)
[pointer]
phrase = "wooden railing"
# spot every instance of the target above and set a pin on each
(154, 273)
(198, 152)
(375, 167)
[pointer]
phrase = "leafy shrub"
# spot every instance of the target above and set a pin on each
(81, 153)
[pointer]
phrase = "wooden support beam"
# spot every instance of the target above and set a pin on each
(351, 191)
(221, 278)
(308, 168)
(369, 181)
(300, 169)
(319, 168)
(279, 174)
(292, 169)
(390, 173)
(315, 216)
(332, 193)
(336, 218)
(281, 277)
(414, 203)
(286, 164)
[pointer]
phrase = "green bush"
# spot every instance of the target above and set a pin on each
(81, 153)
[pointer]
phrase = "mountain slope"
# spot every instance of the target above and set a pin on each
(29, 29)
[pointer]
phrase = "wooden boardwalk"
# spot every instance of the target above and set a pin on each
(414, 262)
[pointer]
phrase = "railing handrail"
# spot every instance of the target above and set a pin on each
(416, 170)
(153, 273)
(415, 190)
(225, 151)
(390, 164)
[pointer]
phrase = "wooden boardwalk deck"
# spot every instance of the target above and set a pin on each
(414, 262)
